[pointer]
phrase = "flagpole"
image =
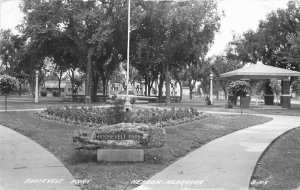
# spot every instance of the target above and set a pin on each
(128, 51)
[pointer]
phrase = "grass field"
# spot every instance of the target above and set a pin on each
(181, 139)
(14, 103)
(279, 166)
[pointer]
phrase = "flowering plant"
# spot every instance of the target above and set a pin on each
(239, 88)
(7, 84)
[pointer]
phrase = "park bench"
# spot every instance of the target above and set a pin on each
(174, 99)
(147, 98)
(78, 98)
(102, 98)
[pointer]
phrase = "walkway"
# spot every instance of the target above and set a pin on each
(226, 163)
(26, 165)
(41, 109)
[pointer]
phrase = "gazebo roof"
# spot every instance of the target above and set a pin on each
(259, 71)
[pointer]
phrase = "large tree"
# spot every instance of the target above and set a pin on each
(69, 31)
(177, 34)
(221, 64)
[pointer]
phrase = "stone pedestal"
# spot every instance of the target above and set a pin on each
(120, 155)
(233, 99)
(245, 102)
(269, 99)
(285, 101)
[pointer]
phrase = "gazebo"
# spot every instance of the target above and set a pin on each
(260, 71)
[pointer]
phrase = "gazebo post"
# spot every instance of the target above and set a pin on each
(285, 98)
(268, 96)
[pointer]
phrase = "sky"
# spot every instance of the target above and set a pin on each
(240, 16)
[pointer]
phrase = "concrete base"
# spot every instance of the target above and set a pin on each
(269, 99)
(285, 101)
(245, 102)
(233, 99)
(120, 155)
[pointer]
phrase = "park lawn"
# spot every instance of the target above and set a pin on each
(279, 166)
(181, 139)
(18, 104)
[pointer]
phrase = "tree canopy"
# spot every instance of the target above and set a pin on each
(91, 36)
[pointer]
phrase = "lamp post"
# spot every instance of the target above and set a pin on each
(36, 97)
(211, 77)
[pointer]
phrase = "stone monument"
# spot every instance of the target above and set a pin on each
(123, 142)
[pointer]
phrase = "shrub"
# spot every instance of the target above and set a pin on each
(116, 114)
(44, 93)
(154, 91)
(207, 100)
(229, 104)
(55, 93)
(114, 96)
(7, 84)
(132, 100)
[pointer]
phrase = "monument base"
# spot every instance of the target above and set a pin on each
(120, 155)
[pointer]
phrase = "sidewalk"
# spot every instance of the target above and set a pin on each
(26, 165)
(226, 163)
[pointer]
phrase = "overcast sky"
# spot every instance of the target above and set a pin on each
(240, 15)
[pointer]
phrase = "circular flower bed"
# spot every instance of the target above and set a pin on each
(98, 117)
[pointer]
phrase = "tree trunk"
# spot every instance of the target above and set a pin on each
(107, 90)
(160, 86)
(168, 101)
(146, 86)
(88, 76)
(32, 85)
(5, 102)
(95, 81)
(59, 81)
(191, 87)
(191, 94)
(20, 89)
(104, 82)
(73, 85)
(149, 88)
(225, 92)
(181, 90)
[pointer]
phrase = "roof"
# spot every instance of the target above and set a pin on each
(260, 71)
(54, 84)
